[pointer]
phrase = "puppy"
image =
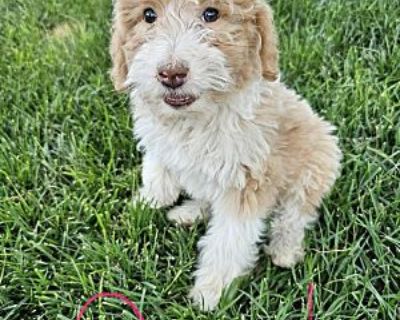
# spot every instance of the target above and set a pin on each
(215, 122)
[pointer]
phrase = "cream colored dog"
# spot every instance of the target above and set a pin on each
(214, 121)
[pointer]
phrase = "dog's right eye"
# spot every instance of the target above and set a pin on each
(210, 14)
(149, 15)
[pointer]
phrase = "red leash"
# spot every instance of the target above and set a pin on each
(110, 295)
(310, 301)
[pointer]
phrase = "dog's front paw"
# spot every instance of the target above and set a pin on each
(206, 297)
(155, 199)
(188, 213)
(181, 216)
(284, 257)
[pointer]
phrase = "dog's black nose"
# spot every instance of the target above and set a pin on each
(173, 77)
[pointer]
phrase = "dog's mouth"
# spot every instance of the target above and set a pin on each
(177, 101)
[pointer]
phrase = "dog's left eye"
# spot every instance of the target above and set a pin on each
(210, 15)
(149, 15)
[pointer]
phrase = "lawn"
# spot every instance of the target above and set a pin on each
(69, 168)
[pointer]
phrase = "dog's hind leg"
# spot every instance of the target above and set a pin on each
(298, 208)
(316, 171)
(287, 235)
(190, 211)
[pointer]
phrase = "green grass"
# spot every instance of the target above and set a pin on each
(69, 168)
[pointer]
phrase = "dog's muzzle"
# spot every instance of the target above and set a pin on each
(172, 78)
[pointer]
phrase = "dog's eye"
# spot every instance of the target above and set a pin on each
(149, 15)
(210, 15)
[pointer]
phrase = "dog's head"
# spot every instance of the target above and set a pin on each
(177, 53)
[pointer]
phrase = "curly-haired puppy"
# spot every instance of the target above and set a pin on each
(215, 122)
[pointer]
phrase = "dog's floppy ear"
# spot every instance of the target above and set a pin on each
(119, 69)
(269, 42)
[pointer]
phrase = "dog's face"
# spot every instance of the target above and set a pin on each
(184, 54)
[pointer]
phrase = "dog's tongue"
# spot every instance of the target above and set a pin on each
(179, 100)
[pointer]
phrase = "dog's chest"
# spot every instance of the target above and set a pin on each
(206, 159)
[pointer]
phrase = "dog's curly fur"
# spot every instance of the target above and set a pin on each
(246, 148)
